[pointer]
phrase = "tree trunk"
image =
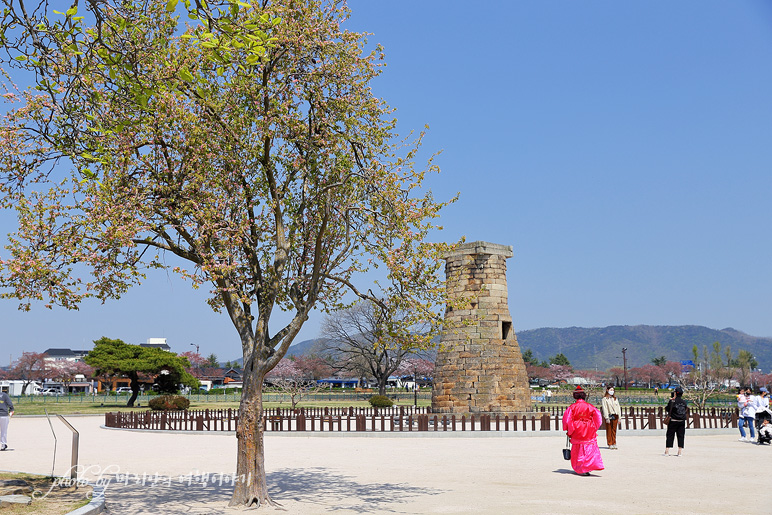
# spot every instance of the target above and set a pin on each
(251, 488)
(382, 385)
(134, 389)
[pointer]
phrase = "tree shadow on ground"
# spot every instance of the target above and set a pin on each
(318, 489)
(322, 487)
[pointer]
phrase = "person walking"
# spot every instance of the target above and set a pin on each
(6, 412)
(611, 413)
(581, 421)
(747, 414)
(677, 413)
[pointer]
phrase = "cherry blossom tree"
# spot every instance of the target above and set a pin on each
(31, 366)
(561, 373)
(416, 367)
(289, 377)
(617, 375)
(196, 361)
(246, 152)
(537, 372)
(314, 366)
(648, 374)
(673, 371)
(67, 372)
(762, 380)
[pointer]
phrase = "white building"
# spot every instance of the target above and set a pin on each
(13, 387)
(64, 355)
(156, 343)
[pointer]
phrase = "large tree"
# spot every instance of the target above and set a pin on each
(118, 358)
(363, 340)
(246, 151)
(30, 367)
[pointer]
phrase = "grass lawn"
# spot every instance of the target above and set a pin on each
(38, 406)
(49, 497)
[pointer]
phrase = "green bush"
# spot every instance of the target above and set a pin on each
(169, 402)
(380, 401)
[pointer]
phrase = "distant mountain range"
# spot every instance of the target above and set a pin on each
(601, 347)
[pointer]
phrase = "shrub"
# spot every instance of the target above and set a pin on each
(169, 402)
(380, 401)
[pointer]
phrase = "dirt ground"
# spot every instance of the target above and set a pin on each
(333, 473)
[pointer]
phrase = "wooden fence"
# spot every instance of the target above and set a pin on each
(401, 418)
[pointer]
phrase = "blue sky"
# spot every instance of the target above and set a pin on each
(622, 148)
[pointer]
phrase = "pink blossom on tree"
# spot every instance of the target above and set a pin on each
(419, 367)
(561, 373)
(31, 366)
(67, 372)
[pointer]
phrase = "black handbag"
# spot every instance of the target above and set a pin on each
(567, 450)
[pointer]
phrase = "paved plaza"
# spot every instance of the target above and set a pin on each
(152, 473)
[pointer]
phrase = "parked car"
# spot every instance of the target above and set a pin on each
(123, 389)
(50, 391)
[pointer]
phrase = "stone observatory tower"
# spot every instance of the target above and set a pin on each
(479, 367)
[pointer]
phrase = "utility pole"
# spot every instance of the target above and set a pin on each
(197, 355)
(624, 364)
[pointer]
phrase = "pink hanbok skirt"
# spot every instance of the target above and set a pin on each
(585, 457)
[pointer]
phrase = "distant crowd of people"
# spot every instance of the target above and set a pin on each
(581, 421)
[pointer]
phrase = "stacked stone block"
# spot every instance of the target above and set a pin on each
(479, 367)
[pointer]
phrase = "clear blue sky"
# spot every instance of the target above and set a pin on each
(622, 148)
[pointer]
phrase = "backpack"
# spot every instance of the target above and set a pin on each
(679, 410)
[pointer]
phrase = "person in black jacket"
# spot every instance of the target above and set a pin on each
(678, 412)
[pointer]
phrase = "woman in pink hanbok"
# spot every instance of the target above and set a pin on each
(581, 421)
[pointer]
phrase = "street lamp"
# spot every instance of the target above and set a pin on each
(196, 346)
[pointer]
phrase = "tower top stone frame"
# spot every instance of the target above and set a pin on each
(479, 367)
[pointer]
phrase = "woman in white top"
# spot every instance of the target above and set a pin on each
(611, 412)
(747, 414)
(761, 401)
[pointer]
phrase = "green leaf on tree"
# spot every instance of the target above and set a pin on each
(186, 75)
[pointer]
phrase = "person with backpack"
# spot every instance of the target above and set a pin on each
(677, 412)
(581, 421)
